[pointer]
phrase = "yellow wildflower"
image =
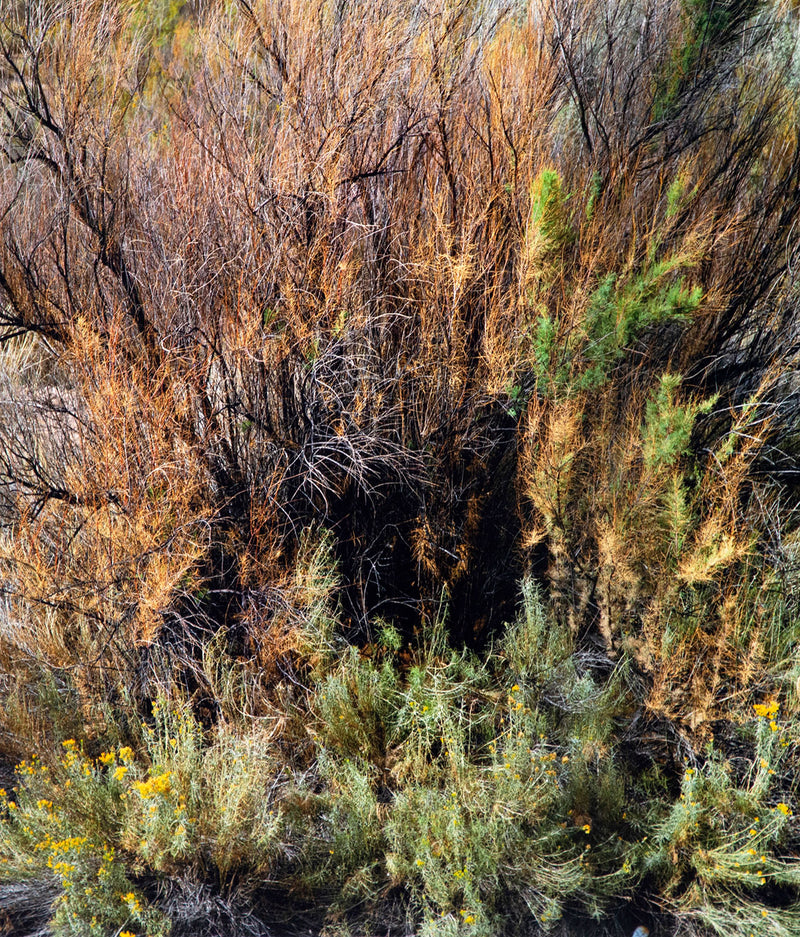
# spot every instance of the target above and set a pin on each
(131, 901)
(160, 784)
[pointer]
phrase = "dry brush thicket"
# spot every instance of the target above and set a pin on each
(360, 361)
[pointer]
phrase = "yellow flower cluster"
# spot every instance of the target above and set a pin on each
(161, 784)
(64, 869)
(58, 852)
(63, 846)
(512, 700)
(105, 866)
(30, 767)
(766, 710)
(131, 901)
(72, 753)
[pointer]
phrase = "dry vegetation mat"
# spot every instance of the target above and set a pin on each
(399, 487)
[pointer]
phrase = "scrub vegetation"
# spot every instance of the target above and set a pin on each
(399, 438)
